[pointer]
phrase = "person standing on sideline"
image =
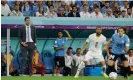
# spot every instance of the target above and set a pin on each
(59, 47)
(27, 44)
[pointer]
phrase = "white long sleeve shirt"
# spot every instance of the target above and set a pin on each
(130, 60)
(68, 61)
(78, 59)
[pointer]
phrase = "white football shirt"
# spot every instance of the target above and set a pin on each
(96, 42)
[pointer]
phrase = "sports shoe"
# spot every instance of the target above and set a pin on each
(76, 76)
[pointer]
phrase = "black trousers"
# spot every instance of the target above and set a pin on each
(27, 52)
(67, 71)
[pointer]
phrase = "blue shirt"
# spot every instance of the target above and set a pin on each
(60, 43)
(119, 43)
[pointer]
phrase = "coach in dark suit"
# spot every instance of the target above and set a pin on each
(27, 44)
(74, 12)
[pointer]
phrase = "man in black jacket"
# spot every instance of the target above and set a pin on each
(27, 44)
(74, 12)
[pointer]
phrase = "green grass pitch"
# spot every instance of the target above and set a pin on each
(59, 78)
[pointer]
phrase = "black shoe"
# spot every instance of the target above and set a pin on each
(126, 77)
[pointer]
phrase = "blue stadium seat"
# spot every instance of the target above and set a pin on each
(49, 46)
(40, 44)
(48, 61)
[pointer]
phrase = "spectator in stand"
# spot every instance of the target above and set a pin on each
(116, 14)
(49, 3)
(129, 13)
(74, 12)
(52, 12)
(42, 12)
(67, 9)
(26, 6)
(85, 12)
(68, 62)
(37, 65)
(130, 60)
(5, 10)
(61, 12)
(18, 3)
(125, 7)
(123, 14)
(107, 6)
(16, 11)
(115, 7)
(96, 13)
(36, 6)
(109, 14)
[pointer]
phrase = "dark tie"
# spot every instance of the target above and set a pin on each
(28, 33)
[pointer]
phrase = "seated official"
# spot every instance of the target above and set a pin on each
(12, 70)
(77, 59)
(130, 60)
(68, 62)
(37, 65)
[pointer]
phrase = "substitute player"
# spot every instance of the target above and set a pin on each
(59, 47)
(95, 50)
(120, 45)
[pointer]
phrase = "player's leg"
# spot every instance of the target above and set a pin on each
(102, 62)
(83, 63)
(124, 58)
(61, 65)
(56, 66)
(111, 62)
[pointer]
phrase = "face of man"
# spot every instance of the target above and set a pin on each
(131, 52)
(60, 34)
(96, 10)
(121, 32)
(107, 5)
(51, 8)
(109, 12)
(16, 7)
(61, 11)
(3, 2)
(125, 3)
(27, 21)
(85, 8)
(78, 51)
(74, 9)
(69, 51)
(123, 13)
(98, 30)
(129, 11)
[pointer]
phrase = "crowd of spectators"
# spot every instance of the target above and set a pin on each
(71, 8)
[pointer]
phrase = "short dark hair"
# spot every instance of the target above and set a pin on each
(98, 27)
(125, 30)
(26, 18)
(50, 6)
(77, 49)
(106, 1)
(85, 5)
(74, 6)
(129, 50)
(69, 48)
(129, 8)
(59, 31)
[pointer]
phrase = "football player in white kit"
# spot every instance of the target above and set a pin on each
(96, 40)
